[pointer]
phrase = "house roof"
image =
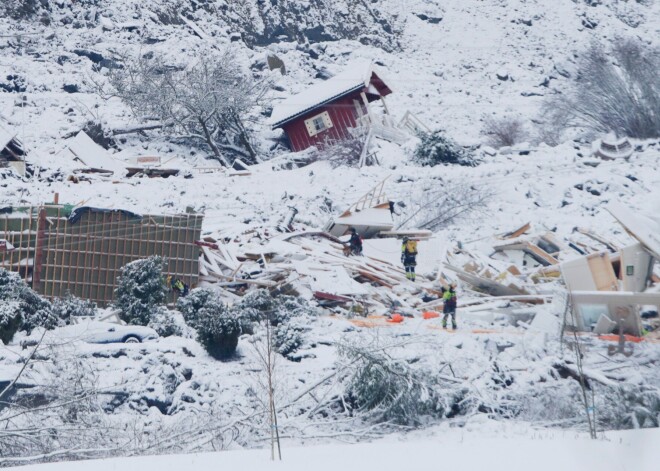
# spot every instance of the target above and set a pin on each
(355, 77)
(6, 136)
(83, 148)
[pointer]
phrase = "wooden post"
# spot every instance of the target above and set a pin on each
(39, 250)
(382, 99)
(366, 104)
(56, 198)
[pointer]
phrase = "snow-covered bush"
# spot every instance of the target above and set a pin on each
(36, 311)
(218, 328)
(436, 148)
(167, 323)
(386, 389)
(614, 90)
(342, 152)
(260, 306)
(287, 338)
(553, 401)
(33, 310)
(71, 306)
(254, 308)
(10, 320)
(189, 306)
(141, 291)
(628, 406)
(503, 131)
(435, 204)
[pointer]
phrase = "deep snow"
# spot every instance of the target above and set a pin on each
(478, 447)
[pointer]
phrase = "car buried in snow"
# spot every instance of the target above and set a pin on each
(102, 332)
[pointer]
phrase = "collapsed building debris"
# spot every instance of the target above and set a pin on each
(371, 215)
(12, 153)
(311, 265)
(94, 158)
(608, 284)
(151, 166)
(606, 295)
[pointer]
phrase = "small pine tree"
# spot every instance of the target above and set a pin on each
(218, 329)
(33, 310)
(10, 320)
(260, 306)
(386, 389)
(189, 306)
(141, 290)
(436, 148)
(167, 323)
(288, 338)
(217, 326)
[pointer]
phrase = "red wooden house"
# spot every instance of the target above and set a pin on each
(330, 110)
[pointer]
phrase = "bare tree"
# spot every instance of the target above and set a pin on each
(210, 99)
(266, 353)
(503, 131)
(59, 418)
(440, 205)
(346, 151)
(616, 90)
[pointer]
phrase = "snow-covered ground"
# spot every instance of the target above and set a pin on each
(480, 445)
(467, 59)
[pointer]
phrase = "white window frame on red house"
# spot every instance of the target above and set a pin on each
(318, 123)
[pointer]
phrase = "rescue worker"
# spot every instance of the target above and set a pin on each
(409, 257)
(178, 286)
(449, 298)
(355, 242)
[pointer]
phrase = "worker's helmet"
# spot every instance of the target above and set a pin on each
(453, 284)
(352, 230)
(405, 238)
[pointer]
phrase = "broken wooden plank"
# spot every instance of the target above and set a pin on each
(374, 278)
(516, 232)
(484, 284)
(610, 246)
(332, 297)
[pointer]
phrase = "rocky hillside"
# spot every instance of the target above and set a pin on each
(451, 62)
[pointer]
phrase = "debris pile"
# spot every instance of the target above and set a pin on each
(606, 286)
(314, 265)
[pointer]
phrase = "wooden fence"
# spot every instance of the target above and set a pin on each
(85, 257)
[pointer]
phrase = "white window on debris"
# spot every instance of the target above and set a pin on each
(318, 123)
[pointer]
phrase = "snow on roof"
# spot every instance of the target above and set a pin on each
(355, 77)
(93, 155)
(368, 217)
(5, 136)
(646, 230)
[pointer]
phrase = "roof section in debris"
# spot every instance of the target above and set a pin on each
(357, 76)
(84, 149)
(5, 136)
